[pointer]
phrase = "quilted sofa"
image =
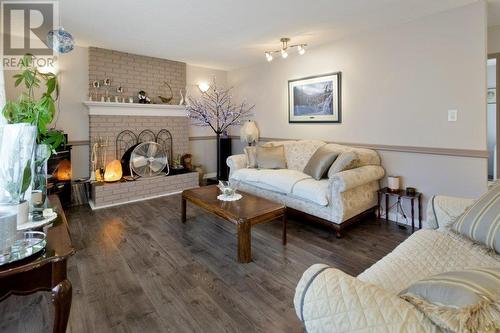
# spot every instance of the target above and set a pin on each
(334, 201)
(329, 300)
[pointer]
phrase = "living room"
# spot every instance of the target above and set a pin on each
(262, 166)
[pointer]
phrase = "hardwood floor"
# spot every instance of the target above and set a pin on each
(139, 269)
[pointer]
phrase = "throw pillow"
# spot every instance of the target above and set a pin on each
(346, 161)
(481, 221)
(462, 301)
(319, 162)
(271, 157)
(251, 155)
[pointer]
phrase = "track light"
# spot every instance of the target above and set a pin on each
(301, 49)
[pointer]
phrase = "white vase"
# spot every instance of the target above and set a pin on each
(17, 142)
(23, 211)
(8, 227)
(182, 101)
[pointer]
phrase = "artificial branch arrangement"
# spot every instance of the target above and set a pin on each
(216, 109)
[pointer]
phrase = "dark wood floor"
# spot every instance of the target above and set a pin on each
(138, 269)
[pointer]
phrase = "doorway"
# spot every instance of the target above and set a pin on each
(492, 117)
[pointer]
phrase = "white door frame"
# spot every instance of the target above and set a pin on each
(497, 57)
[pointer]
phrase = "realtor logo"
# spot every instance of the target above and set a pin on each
(25, 27)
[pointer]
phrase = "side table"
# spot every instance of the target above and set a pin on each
(47, 271)
(401, 194)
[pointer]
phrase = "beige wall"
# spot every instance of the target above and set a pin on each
(494, 39)
(397, 85)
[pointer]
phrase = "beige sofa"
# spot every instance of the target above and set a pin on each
(329, 300)
(336, 201)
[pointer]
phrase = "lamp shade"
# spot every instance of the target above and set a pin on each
(249, 132)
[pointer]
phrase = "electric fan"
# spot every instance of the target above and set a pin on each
(148, 159)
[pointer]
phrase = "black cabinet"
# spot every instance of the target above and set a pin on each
(224, 153)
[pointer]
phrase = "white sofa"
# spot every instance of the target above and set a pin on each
(336, 201)
(329, 300)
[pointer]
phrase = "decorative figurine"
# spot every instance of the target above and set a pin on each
(143, 98)
(186, 161)
(120, 91)
(96, 85)
(183, 97)
(107, 83)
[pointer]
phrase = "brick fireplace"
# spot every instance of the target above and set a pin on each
(107, 120)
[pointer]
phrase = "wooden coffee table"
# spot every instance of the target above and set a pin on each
(245, 213)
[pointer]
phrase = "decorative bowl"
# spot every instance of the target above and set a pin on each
(226, 188)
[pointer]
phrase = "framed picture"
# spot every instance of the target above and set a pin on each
(492, 95)
(315, 99)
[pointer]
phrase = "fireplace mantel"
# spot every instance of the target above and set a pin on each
(135, 109)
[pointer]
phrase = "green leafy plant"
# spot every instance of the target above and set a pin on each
(38, 111)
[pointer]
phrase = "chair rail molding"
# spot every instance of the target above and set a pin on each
(474, 153)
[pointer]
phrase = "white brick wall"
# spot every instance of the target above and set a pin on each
(135, 72)
(105, 194)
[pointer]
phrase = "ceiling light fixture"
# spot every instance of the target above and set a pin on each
(301, 49)
(269, 56)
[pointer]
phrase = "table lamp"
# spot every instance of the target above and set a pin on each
(249, 132)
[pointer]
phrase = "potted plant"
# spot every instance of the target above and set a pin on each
(35, 107)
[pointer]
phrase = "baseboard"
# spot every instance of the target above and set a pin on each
(93, 207)
(393, 217)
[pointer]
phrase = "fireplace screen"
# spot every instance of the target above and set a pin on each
(127, 142)
(127, 139)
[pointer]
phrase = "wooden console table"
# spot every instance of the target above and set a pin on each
(47, 271)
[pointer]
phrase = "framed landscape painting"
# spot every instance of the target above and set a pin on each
(315, 99)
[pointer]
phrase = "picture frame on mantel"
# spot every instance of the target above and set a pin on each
(315, 99)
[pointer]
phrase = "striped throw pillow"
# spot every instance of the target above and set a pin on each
(462, 301)
(481, 221)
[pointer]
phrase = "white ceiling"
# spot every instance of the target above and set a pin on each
(227, 34)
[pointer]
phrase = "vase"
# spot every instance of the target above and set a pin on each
(181, 102)
(39, 184)
(17, 143)
(8, 227)
(23, 212)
